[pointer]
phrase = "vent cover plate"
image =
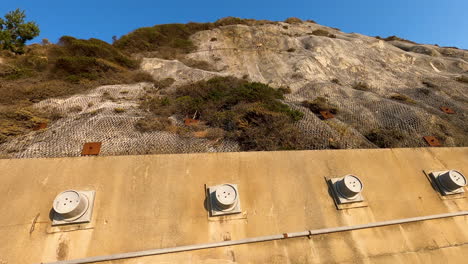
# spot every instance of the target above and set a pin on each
(355, 192)
(73, 207)
(438, 179)
(341, 198)
(224, 199)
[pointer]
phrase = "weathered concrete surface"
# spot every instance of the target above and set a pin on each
(157, 201)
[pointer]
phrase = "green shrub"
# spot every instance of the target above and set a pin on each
(169, 37)
(392, 38)
(320, 104)
(293, 20)
(385, 138)
(402, 98)
(70, 67)
(94, 48)
(10, 72)
(75, 109)
(34, 62)
(429, 84)
(158, 106)
(77, 65)
(463, 78)
(361, 86)
(423, 91)
(3, 138)
(77, 68)
(166, 82)
(284, 90)
(323, 33)
(18, 120)
(168, 41)
(215, 133)
(15, 31)
(226, 21)
(259, 129)
(245, 110)
(198, 64)
(297, 75)
(141, 76)
(150, 124)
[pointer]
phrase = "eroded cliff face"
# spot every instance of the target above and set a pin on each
(385, 93)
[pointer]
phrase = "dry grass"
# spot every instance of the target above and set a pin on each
(335, 81)
(249, 113)
(323, 33)
(361, 86)
(429, 84)
(393, 38)
(320, 104)
(150, 124)
(18, 120)
(70, 67)
(385, 138)
(462, 78)
(75, 109)
(170, 41)
(293, 20)
(402, 98)
(119, 110)
(198, 64)
(215, 133)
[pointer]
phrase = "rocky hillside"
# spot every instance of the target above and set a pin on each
(381, 93)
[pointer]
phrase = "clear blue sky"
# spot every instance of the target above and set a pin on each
(423, 21)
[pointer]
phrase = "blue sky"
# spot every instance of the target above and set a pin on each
(424, 21)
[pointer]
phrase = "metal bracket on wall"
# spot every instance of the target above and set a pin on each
(432, 141)
(326, 114)
(447, 110)
(91, 148)
(40, 126)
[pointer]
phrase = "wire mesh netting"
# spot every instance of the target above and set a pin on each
(400, 103)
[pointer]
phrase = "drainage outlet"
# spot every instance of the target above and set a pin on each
(224, 199)
(347, 189)
(450, 182)
(72, 207)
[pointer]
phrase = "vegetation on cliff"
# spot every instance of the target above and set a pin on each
(249, 113)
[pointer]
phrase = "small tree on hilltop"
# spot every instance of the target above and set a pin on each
(14, 31)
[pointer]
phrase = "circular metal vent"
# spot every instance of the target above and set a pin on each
(226, 196)
(349, 186)
(70, 205)
(452, 180)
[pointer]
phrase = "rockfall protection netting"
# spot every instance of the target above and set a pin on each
(363, 112)
(280, 57)
(92, 118)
